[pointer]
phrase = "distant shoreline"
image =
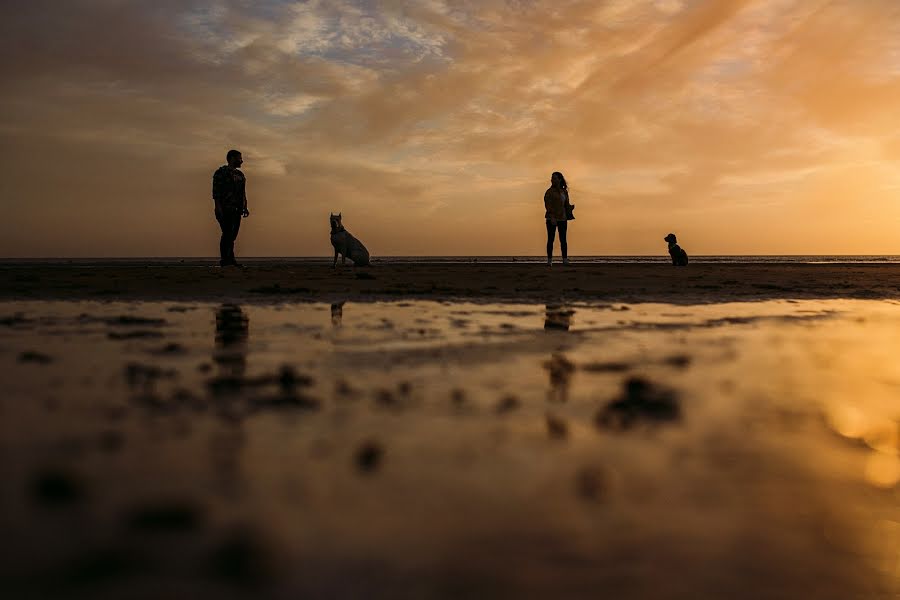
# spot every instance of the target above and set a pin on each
(298, 281)
(775, 259)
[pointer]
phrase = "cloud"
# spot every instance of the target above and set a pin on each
(434, 125)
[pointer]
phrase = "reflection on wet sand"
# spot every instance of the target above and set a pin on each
(717, 451)
(232, 331)
(337, 314)
(226, 442)
(560, 370)
(558, 317)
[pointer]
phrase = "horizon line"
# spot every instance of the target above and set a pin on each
(424, 256)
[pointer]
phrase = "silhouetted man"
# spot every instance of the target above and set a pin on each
(230, 195)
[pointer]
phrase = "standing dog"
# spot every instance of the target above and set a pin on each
(679, 256)
(346, 245)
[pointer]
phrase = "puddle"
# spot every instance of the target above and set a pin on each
(445, 449)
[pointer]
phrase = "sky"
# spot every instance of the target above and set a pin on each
(744, 126)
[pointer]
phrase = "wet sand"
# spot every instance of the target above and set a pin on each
(698, 283)
(429, 449)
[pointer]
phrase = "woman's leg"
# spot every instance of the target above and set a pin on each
(563, 244)
(551, 235)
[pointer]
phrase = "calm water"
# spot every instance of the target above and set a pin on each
(426, 449)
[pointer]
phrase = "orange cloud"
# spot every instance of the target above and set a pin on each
(748, 126)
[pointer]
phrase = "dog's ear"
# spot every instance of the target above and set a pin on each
(339, 214)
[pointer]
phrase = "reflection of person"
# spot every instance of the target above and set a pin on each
(230, 196)
(560, 370)
(232, 331)
(556, 203)
(557, 316)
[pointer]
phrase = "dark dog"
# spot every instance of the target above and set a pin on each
(346, 245)
(679, 256)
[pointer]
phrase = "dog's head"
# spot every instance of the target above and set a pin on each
(671, 239)
(335, 220)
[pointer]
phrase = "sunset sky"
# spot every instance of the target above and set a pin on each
(744, 126)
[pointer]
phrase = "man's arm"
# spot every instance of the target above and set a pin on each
(244, 210)
(218, 190)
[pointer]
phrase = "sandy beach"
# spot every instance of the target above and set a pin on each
(698, 283)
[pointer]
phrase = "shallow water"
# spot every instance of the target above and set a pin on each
(440, 449)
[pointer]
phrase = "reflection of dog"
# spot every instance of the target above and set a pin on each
(337, 314)
(346, 245)
(679, 256)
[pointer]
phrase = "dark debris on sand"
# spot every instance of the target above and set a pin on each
(132, 321)
(678, 361)
(165, 517)
(399, 399)
(368, 456)
(232, 396)
(557, 429)
(284, 400)
(242, 559)
(171, 349)
(277, 289)
(137, 374)
(591, 484)
(14, 320)
(641, 401)
(134, 335)
(38, 358)
(606, 367)
(55, 487)
(507, 404)
(110, 441)
(95, 567)
(343, 389)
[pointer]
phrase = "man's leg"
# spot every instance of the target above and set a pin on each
(563, 244)
(235, 227)
(225, 226)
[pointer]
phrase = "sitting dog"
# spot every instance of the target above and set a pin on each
(679, 256)
(346, 245)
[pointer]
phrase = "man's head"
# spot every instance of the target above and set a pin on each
(234, 159)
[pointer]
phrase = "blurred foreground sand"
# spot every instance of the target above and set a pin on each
(443, 449)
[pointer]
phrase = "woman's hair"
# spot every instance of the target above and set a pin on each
(562, 180)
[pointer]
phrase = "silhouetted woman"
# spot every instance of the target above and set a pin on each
(556, 199)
